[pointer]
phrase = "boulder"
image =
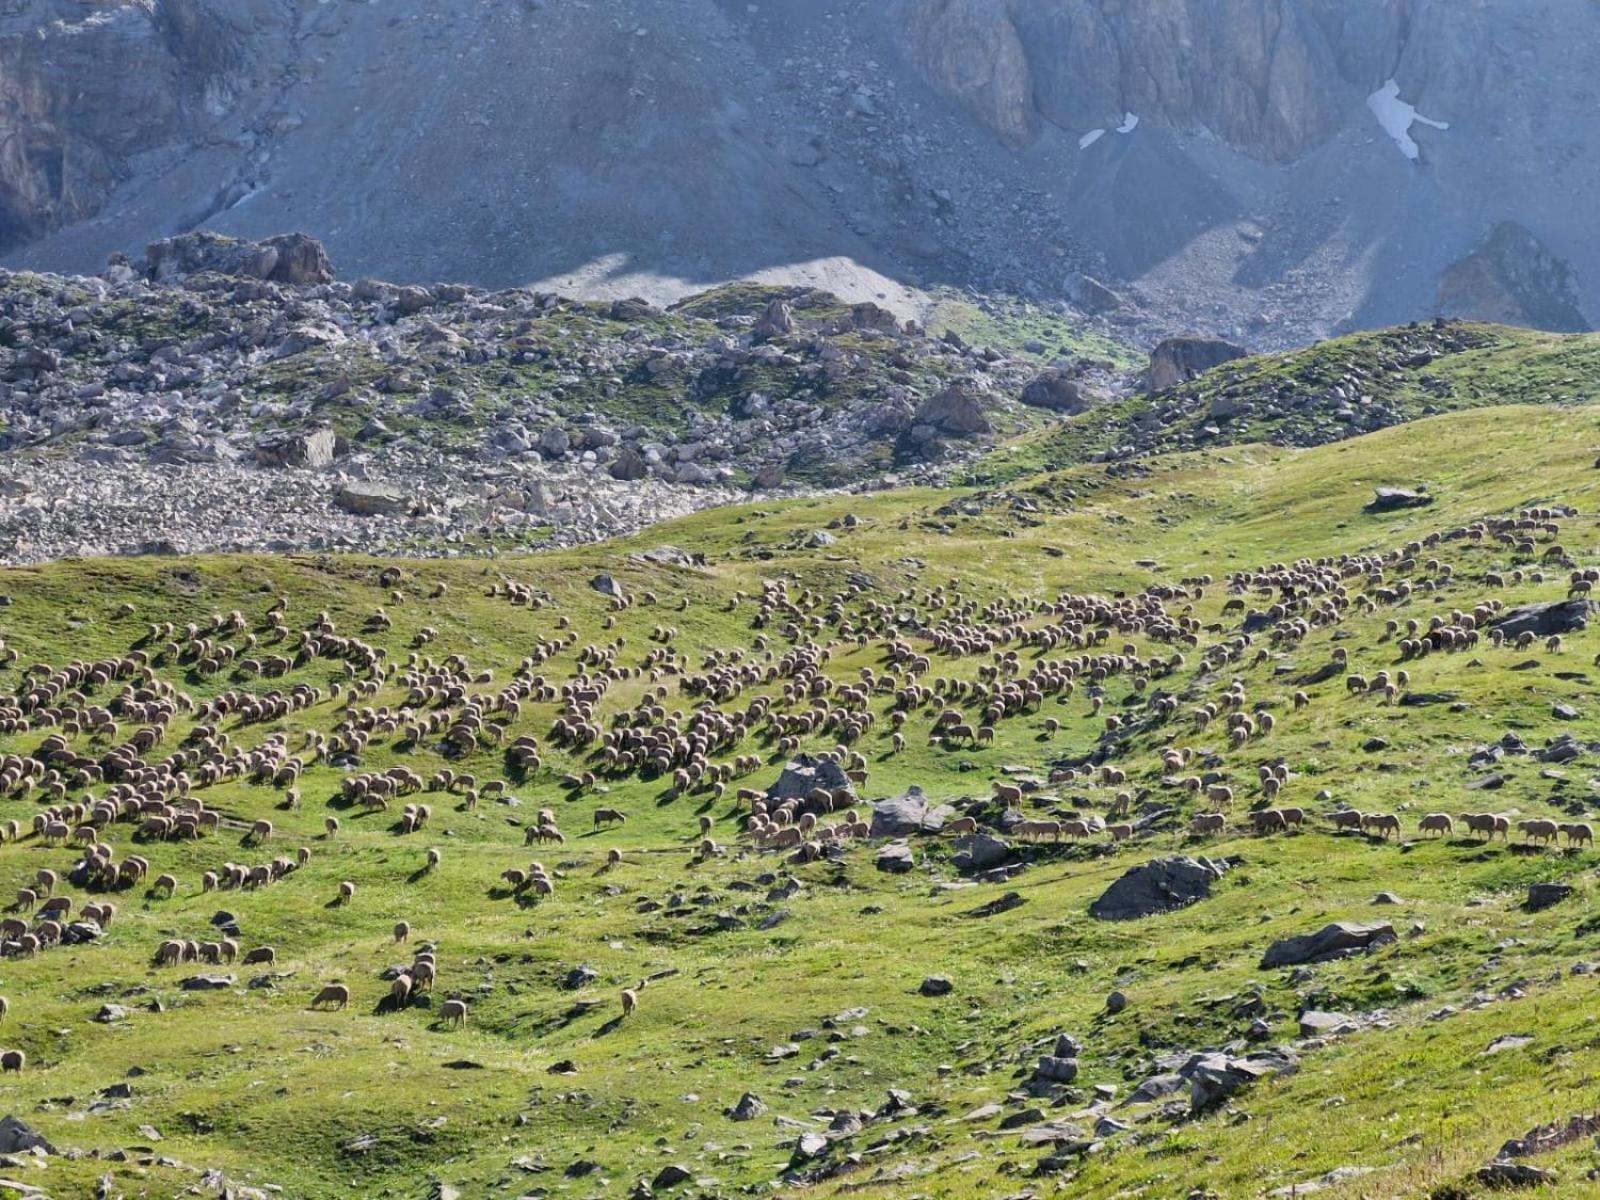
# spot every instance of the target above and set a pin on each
(207, 983)
(1338, 940)
(1055, 389)
(314, 449)
(17, 1136)
(290, 258)
(1179, 359)
(1545, 619)
(1314, 1023)
(980, 852)
(371, 499)
(628, 466)
(956, 412)
(749, 1107)
(908, 814)
(1158, 886)
(804, 774)
(1392, 499)
(607, 585)
(896, 858)
(1543, 895)
(1214, 1077)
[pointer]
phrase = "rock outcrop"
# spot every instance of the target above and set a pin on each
(1179, 359)
(1156, 887)
(1512, 278)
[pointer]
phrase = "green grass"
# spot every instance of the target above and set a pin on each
(366, 1102)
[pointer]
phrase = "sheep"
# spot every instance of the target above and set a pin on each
(400, 990)
(331, 825)
(5, 1008)
(1220, 795)
(260, 832)
(13, 1060)
(336, 994)
(1207, 823)
(165, 883)
(347, 892)
(1537, 829)
(1347, 818)
(1269, 821)
(433, 859)
(1383, 823)
(1578, 832)
(1436, 823)
(961, 825)
(261, 954)
(453, 1012)
(609, 816)
(630, 1000)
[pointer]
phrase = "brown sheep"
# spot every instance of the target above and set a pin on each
(336, 994)
(13, 1060)
(165, 883)
(347, 892)
(402, 931)
(453, 1012)
(1207, 823)
(609, 816)
(400, 990)
(261, 954)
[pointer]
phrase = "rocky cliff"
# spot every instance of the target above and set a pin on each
(1262, 170)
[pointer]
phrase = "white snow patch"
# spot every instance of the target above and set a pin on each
(1090, 138)
(1397, 117)
(1129, 123)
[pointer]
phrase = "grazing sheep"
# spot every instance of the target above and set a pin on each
(1208, 823)
(165, 883)
(402, 931)
(630, 1000)
(400, 990)
(1538, 829)
(453, 1012)
(1382, 823)
(261, 954)
(347, 892)
(1220, 795)
(1577, 832)
(331, 824)
(961, 825)
(432, 860)
(13, 1060)
(609, 816)
(1347, 818)
(5, 1008)
(260, 832)
(336, 994)
(1437, 823)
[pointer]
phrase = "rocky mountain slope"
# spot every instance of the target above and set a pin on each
(231, 394)
(1269, 170)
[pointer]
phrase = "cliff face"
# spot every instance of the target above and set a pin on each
(86, 86)
(1271, 78)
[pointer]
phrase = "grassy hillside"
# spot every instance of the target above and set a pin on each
(1333, 390)
(801, 981)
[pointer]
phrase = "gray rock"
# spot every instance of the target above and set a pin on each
(1543, 895)
(1158, 886)
(1055, 389)
(896, 858)
(979, 852)
(16, 1136)
(1391, 499)
(911, 813)
(1314, 1023)
(1546, 618)
(956, 411)
(1214, 1077)
(749, 1108)
(1179, 359)
(370, 499)
(1337, 940)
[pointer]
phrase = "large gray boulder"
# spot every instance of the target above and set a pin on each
(1338, 940)
(980, 852)
(1214, 1077)
(314, 449)
(17, 1136)
(1179, 359)
(804, 775)
(291, 258)
(1055, 389)
(1158, 886)
(911, 813)
(1546, 618)
(371, 499)
(957, 411)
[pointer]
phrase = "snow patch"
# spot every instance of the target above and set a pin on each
(1397, 117)
(1129, 123)
(1090, 138)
